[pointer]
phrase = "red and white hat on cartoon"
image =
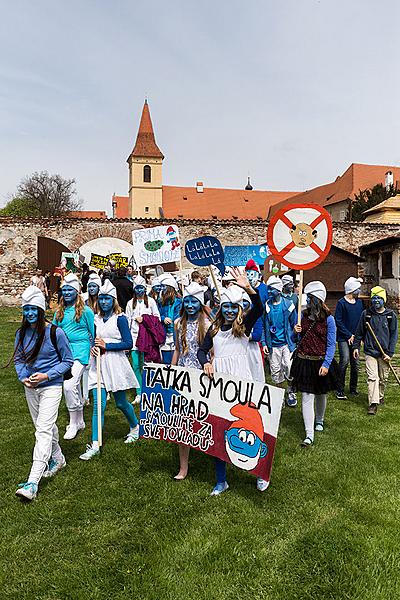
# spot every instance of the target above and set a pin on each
(248, 418)
(252, 266)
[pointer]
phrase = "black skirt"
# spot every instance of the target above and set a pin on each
(306, 378)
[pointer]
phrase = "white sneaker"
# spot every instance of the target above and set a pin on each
(72, 430)
(27, 491)
(220, 488)
(90, 452)
(137, 400)
(132, 436)
(262, 485)
(319, 427)
(54, 466)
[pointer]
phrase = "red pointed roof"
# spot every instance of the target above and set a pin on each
(145, 145)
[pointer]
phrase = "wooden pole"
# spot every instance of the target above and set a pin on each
(181, 272)
(215, 282)
(372, 332)
(99, 428)
(300, 297)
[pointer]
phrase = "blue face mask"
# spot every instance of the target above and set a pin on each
(106, 303)
(273, 294)
(377, 302)
(192, 305)
(252, 277)
(30, 313)
(140, 291)
(69, 294)
(93, 289)
(157, 289)
(229, 311)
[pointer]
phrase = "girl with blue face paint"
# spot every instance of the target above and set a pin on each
(90, 297)
(169, 311)
(77, 321)
(141, 304)
(228, 337)
(113, 340)
(190, 330)
(40, 367)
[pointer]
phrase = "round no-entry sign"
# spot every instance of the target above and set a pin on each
(300, 235)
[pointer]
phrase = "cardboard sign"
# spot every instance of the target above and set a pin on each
(156, 245)
(205, 251)
(300, 235)
(273, 267)
(98, 261)
(227, 417)
(237, 256)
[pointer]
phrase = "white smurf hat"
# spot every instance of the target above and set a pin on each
(352, 284)
(317, 289)
(168, 279)
(233, 294)
(108, 289)
(196, 290)
(72, 280)
(275, 282)
(139, 280)
(286, 279)
(33, 296)
(94, 278)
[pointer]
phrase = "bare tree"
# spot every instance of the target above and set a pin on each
(52, 195)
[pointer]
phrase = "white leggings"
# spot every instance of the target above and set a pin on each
(310, 417)
(72, 388)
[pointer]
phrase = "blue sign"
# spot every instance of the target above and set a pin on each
(237, 256)
(205, 251)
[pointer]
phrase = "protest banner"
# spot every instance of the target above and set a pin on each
(98, 261)
(237, 256)
(205, 251)
(70, 260)
(156, 245)
(226, 417)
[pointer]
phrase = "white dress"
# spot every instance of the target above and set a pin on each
(256, 362)
(139, 310)
(231, 354)
(116, 370)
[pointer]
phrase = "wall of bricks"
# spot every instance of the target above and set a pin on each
(18, 240)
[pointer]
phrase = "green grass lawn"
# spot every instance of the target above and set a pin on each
(120, 527)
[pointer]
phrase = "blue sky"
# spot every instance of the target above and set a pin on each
(290, 91)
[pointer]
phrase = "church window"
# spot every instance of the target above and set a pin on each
(147, 174)
(146, 209)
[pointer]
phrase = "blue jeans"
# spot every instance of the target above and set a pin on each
(346, 357)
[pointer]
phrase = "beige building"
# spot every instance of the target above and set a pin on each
(387, 211)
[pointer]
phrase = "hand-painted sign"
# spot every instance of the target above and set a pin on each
(99, 262)
(300, 235)
(237, 256)
(205, 251)
(156, 245)
(273, 267)
(227, 417)
(70, 260)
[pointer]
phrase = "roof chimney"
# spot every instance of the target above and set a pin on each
(388, 179)
(199, 187)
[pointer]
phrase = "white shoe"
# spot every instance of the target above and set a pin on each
(90, 452)
(81, 426)
(319, 427)
(262, 485)
(54, 466)
(132, 436)
(27, 491)
(70, 431)
(219, 489)
(137, 400)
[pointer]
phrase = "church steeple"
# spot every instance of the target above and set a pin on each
(145, 145)
(248, 186)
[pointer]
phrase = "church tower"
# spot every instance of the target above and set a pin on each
(145, 171)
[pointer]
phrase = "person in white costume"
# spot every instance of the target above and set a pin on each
(113, 340)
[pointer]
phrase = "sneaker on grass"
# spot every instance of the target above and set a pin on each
(54, 466)
(307, 442)
(27, 491)
(341, 396)
(132, 436)
(220, 488)
(292, 399)
(372, 409)
(262, 485)
(136, 400)
(319, 426)
(90, 452)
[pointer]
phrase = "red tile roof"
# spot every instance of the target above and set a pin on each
(145, 145)
(88, 214)
(121, 207)
(357, 177)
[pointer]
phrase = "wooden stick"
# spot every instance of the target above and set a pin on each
(99, 428)
(372, 332)
(215, 282)
(181, 272)
(300, 298)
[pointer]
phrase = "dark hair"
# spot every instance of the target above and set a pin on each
(135, 299)
(196, 275)
(122, 271)
(320, 312)
(25, 355)
(168, 296)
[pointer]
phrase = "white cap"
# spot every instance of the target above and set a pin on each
(228, 275)
(72, 280)
(34, 297)
(352, 284)
(139, 280)
(196, 290)
(108, 289)
(94, 278)
(155, 281)
(286, 279)
(233, 294)
(317, 289)
(168, 279)
(275, 282)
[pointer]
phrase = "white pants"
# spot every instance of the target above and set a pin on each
(43, 405)
(310, 417)
(85, 383)
(72, 388)
(280, 362)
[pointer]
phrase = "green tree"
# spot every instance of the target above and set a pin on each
(19, 207)
(368, 198)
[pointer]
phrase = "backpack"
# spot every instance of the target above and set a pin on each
(53, 338)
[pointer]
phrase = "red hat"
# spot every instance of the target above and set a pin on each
(170, 228)
(251, 266)
(249, 418)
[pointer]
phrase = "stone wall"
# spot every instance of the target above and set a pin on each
(18, 240)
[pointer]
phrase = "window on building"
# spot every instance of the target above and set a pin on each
(146, 209)
(342, 216)
(387, 264)
(147, 174)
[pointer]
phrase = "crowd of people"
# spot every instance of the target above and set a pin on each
(236, 325)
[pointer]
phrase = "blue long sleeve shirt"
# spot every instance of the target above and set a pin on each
(126, 342)
(347, 316)
(330, 341)
(80, 334)
(171, 311)
(47, 360)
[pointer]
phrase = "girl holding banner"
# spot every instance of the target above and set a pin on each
(228, 337)
(77, 321)
(190, 330)
(169, 311)
(314, 369)
(113, 339)
(141, 304)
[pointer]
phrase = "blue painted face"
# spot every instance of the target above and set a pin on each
(106, 303)
(356, 293)
(30, 313)
(191, 305)
(139, 290)
(157, 289)
(253, 277)
(244, 448)
(273, 294)
(229, 311)
(311, 300)
(246, 306)
(93, 289)
(69, 294)
(377, 302)
(288, 289)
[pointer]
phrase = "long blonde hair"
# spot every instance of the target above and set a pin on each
(238, 327)
(79, 308)
(92, 303)
(182, 328)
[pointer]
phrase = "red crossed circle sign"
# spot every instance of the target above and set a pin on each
(300, 235)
